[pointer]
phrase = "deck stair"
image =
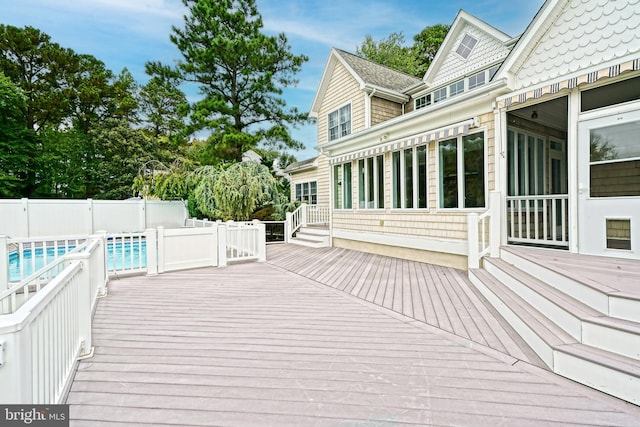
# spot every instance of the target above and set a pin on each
(315, 236)
(580, 314)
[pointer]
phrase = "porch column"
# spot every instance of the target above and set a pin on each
(572, 160)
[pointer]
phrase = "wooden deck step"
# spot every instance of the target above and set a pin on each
(572, 338)
(312, 236)
(608, 285)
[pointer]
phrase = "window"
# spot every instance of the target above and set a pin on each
(492, 71)
(439, 95)
(371, 183)
(462, 178)
(525, 163)
(615, 93)
(307, 192)
(456, 88)
(340, 123)
(477, 80)
(466, 46)
(423, 101)
(409, 178)
(342, 186)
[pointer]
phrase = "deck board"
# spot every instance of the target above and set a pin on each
(256, 344)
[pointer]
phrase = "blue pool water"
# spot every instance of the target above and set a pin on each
(120, 256)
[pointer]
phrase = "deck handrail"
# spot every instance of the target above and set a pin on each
(306, 215)
(483, 232)
(538, 219)
(42, 340)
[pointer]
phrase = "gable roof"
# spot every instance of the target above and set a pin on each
(303, 164)
(387, 82)
(446, 65)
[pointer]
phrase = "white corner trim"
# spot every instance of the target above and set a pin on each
(455, 247)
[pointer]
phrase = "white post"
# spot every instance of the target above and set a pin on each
(262, 242)
(222, 245)
(90, 216)
(152, 251)
(160, 265)
(495, 223)
(303, 212)
(143, 214)
(287, 227)
(473, 260)
(4, 264)
(85, 303)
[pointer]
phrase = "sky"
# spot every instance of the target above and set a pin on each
(128, 33)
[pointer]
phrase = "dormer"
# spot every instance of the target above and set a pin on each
(468, 59)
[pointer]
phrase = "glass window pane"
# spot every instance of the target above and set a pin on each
(370, 184)
(337, 187)
(380, 200)
(397, 194)
(347, 186)
(361, 189)
(473, 170)
(408, 178)
(314, 192)
(615, 160)
(421, 154)
(448, 152)
(521, 166)
(298, 191)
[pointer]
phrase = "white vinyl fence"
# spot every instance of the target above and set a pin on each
(25, 218)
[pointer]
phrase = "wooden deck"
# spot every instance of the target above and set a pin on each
(256, 344)
(438, 296)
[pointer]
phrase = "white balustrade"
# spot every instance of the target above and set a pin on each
(538, 219)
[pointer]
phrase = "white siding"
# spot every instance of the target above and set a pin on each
(585, 33)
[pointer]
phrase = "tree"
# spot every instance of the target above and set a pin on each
(426, 45)
(17, 143)
(393, 53)
(389, 51)
(163, 106)
(240, 73)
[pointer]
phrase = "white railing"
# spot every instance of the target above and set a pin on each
(318, 214)
(194, 222)
(541, 220)
(245, 241)
(24, 257)
(306, 215)
(483, 232)
(126, 253)
(42, 340)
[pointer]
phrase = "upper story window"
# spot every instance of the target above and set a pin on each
(340, 122)
(307, 192)
(466, 46)
(477, 80)
(493, 70)
(423, 101)
(440, 94)
(456, 88)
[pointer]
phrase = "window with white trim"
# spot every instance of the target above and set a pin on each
(409, 178)
(456, 88)
(466, 46)
(477, 80)
(340, 122)
(462, 173)
(371, 183)
(342, 190)
(439, 95)
(423, 101)
(307, 192)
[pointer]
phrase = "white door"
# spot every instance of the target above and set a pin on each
(609, 185)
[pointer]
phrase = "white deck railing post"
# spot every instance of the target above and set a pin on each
(304, 213)
(85, 303)
(288, 227)
(160, 245)
(152, 251)
(473, 258)
(222, 245)
(4, 264)
(495, 224)
(261, 241)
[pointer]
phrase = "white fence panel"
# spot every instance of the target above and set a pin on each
(167, 214)
(13, 218)
(183, 248)
(59, 218)
(118, 216)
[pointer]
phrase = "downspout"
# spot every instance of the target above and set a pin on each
(368, 118)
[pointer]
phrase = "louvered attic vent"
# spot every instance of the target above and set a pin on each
(466, 46)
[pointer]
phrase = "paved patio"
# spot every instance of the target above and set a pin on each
(256, 344)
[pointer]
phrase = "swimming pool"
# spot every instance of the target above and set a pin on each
(121, 256)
